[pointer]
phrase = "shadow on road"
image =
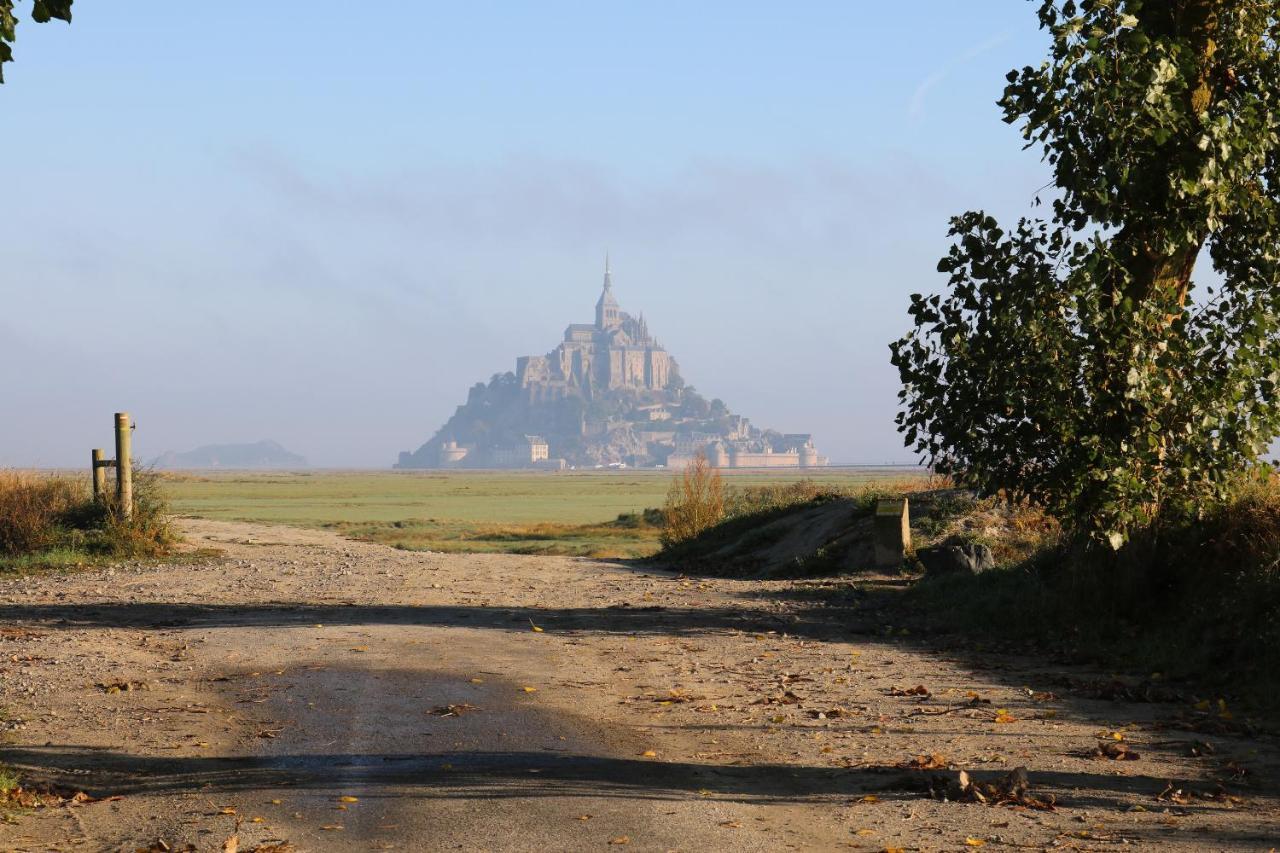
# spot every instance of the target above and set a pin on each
(616, 619)
(524, 774)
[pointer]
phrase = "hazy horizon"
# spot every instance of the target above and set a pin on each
(323, 229)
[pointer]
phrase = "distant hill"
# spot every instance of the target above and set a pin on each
(263, 454)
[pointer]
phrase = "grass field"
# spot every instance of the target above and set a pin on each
(569, 512)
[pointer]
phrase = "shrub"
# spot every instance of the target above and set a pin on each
(695, 502)
(147, 532)
(1200, 599)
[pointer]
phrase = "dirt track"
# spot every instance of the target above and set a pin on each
(650, 712)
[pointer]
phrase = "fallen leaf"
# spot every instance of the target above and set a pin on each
(1171, 794)
(535, 628)
(1115, 750)
(348, 799)
(648, 753)
(529, 689)
(932, 761)
(621, 839)
(974, 842)
(332, 827)
(918, 690)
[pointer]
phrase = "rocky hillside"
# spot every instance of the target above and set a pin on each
(613, 426)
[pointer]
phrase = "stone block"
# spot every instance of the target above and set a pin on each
(892, 532)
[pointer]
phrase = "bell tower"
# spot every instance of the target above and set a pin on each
(608, 314)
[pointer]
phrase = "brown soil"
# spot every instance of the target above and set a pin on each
(249, 695)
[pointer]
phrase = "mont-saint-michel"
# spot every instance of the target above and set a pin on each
(608, 395)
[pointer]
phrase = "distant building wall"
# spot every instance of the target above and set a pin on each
(533, 450)
(532, 369)
(765, 459)
(451, 454)
(657, 369)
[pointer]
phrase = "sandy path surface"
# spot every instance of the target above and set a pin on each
(339, 695)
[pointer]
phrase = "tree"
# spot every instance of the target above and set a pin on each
(1072, 362)
(42, 12)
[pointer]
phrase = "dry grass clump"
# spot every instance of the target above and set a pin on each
(53, 518)
(34, 510)
(753, 500)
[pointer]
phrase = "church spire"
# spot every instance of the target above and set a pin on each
(608, 314)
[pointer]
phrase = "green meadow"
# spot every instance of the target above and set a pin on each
(586, 513)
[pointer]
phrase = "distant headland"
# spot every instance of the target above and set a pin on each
(609, 395)
(261, 454)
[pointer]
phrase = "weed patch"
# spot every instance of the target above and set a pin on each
(51, 521)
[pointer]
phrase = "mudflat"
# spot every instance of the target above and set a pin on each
(307, 690)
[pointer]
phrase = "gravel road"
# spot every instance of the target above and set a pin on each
(307, 690)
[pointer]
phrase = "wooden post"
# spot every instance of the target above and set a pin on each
(892, 532)
(124, 466)
(99, 476)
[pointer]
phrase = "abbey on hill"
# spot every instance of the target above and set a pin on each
(609, 394)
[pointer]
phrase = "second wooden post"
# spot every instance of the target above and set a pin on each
(99, 476)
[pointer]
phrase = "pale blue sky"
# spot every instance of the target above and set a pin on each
(320, 224)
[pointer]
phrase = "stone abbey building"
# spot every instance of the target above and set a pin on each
(608, 395)
(616, 352)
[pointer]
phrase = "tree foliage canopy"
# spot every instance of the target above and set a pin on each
(42, 11)
(1072, 361)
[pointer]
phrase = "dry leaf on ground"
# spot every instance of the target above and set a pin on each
(919, 690)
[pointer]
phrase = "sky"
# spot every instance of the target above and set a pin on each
(321, 223)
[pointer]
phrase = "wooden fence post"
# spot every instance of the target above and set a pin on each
(99, 476)
(124, 466)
